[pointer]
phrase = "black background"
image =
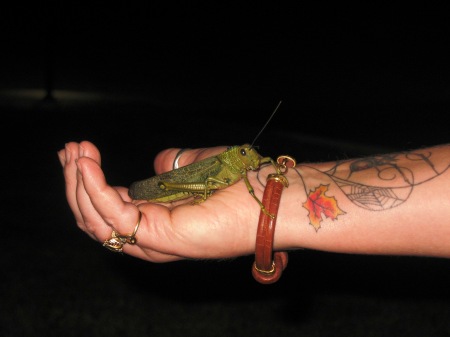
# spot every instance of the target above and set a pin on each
(137, 78)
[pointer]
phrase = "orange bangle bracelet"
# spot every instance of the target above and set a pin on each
(269, 266)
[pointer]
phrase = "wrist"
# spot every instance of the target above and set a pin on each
(291, 217)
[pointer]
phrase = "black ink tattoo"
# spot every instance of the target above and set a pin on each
(394, 181)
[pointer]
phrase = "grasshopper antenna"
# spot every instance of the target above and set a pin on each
(259, 133)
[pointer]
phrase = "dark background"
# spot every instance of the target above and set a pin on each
(135, 79)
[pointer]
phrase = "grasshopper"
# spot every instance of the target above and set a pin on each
(201, 179)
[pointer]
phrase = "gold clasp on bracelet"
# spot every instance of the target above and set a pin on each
(278, 178)
(284, 162)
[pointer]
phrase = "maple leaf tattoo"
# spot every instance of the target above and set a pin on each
(318, 205)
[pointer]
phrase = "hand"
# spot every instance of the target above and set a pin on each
(222, 227)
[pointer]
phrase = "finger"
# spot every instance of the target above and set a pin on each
(93, 223)
(102, 206)
(165, 159)
(70, 175)
(87, 149)
(123, 192)
(103, 210)
(74, 188)
(68, 157)
(116, 214)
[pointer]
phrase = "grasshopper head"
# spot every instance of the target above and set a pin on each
(249, 157)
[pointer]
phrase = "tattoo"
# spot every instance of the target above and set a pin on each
(318, 204)
(394, 177)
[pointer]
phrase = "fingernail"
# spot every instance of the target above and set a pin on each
(61, 157)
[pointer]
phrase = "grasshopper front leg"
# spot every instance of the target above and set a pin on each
(264, 160)
(252, 193)
(268, 160)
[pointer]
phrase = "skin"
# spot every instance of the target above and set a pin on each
(225, 225)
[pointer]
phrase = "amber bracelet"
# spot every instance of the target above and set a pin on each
(269, 266)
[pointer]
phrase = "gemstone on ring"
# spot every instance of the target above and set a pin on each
(117, 241)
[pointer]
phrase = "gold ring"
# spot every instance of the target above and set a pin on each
(117, 241)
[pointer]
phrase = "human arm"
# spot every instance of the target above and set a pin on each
(411, 216)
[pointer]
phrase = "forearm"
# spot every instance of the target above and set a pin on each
(388, 204)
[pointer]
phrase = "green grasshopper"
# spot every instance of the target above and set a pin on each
(201, 179)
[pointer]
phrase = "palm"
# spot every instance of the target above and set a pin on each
(211, 229)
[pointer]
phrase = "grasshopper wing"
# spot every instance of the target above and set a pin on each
(198, 172)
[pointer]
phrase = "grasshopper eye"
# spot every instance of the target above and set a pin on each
(243, 152)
